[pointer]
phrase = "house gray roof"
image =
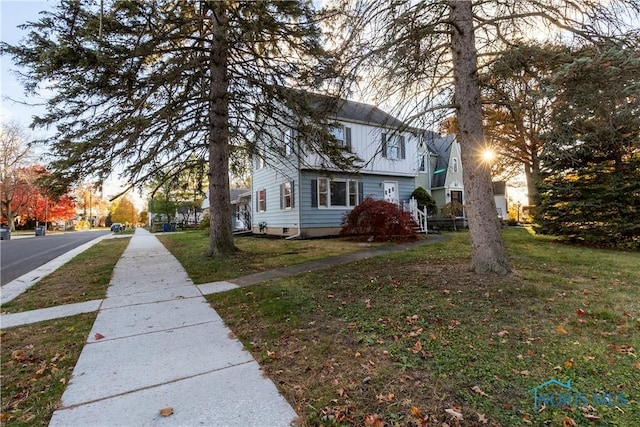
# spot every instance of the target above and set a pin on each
(499, 187)
(365, 113)
(344, 109)
(441, 145)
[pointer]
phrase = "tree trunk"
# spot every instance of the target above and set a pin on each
(488, 255)
(531, 174)
(220, 233)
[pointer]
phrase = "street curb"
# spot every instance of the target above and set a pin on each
(17, 286)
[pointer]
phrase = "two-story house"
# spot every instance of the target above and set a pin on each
(298, 194)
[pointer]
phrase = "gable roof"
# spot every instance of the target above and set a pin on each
(441, 145)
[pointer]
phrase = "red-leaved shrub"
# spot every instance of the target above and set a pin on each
(378, 220)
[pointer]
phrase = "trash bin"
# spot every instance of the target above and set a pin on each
(40, 231)
(5, 234)
(166, 227)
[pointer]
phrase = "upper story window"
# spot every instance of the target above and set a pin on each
(422, 163)
(342, 134)
(393, 146)
(259, 158)
(288, 141)
(454, 163)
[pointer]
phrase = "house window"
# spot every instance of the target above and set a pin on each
(342, 134)
(393, 146)
(455, 164)
(286, 195)
(337, 193)
(323, 192)
(422, 165)
(261, 200)
(259, 161)
(287, 142)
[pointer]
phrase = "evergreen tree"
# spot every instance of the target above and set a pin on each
(591, 166)
(142, 85)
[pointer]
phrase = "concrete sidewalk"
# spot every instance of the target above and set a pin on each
(156, 343)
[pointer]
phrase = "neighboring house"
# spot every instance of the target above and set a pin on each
(240, 208)
(446, 184)
(500, 196)
(300, 196)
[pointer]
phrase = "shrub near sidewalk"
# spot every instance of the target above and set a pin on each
(417, 340)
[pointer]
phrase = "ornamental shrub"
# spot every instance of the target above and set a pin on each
(424, 199)
(378, 220)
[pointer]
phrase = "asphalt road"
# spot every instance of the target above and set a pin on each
(19, 256)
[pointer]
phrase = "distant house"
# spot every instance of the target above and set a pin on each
(500, 196)
(446, 184)
(240, 208)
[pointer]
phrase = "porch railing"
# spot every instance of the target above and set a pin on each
(420, 216)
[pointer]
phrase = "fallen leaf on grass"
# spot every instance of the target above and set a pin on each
(479, 391)
(591, 417)
(569, 422)
(373, 420)
(166, 412)
(482, 419)
(367, 303)
(19, 355)
(455, 414)
(562, 330)
(419, 416)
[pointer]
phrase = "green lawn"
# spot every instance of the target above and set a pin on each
(416, 339)
(255, 254)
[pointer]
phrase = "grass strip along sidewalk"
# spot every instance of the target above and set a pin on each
(414, 339)
(37, 360)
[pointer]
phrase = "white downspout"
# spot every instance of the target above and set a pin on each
(299, 195)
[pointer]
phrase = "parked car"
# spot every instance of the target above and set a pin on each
(116, 226)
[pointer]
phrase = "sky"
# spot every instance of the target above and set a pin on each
(12, 14)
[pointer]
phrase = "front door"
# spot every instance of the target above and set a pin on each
(390, 191)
